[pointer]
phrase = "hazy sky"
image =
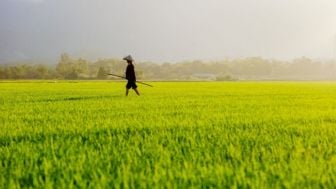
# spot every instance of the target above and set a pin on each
(167, 30)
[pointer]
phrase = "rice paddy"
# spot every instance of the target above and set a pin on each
(87, 134)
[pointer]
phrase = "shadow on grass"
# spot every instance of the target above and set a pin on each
(76, 98)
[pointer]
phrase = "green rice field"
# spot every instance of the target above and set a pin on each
(87, 134)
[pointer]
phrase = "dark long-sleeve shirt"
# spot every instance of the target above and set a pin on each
(130, 74)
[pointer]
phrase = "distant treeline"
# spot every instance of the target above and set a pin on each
(254, 68)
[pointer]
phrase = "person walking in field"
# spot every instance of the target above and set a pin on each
(130, 75)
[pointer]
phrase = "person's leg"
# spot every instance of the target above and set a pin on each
(128, 86)
(135, 88)
(136, 91)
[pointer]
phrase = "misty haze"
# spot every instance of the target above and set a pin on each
(253, 39)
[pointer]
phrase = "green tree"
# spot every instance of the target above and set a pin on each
(102, 73)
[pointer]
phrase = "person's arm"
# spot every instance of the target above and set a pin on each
(127, 73)
(133, 73)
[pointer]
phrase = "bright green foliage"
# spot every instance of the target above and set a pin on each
(176, 135)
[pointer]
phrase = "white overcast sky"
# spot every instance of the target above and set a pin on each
(167, 30)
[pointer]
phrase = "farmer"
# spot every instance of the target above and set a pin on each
(130, 75)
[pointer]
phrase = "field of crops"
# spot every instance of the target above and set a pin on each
(175, 135)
